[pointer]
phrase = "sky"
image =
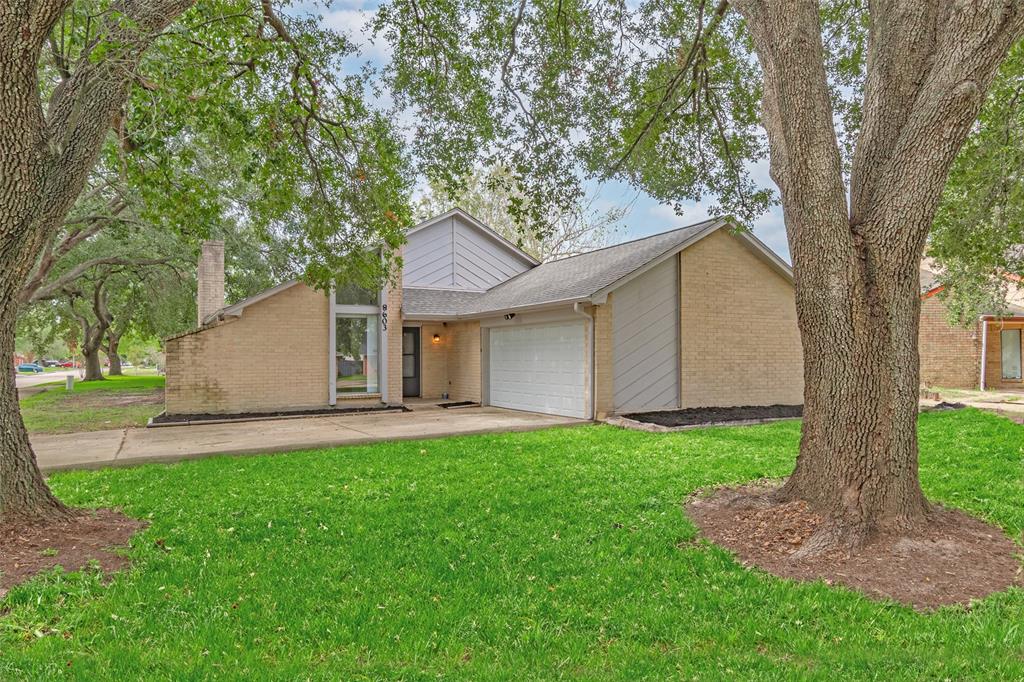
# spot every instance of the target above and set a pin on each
(647, 215)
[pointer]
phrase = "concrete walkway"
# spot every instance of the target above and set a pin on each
(123, 447)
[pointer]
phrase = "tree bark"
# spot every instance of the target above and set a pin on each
(113, 341)
(46, 154)
(856, 264)
(24, 496)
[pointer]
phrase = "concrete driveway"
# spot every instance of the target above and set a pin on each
(123, 447)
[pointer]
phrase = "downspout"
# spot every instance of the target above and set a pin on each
(332, 343)
(984, 351)
(577, 308)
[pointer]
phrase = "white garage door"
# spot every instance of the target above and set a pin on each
(539, 368)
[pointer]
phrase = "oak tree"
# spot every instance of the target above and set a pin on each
(861, 108)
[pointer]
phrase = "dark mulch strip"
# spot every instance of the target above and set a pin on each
(955, 559)
(461, 403)
(72, 544)
(712, 415)
(178, 418)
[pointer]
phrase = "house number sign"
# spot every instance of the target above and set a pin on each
(384, 317)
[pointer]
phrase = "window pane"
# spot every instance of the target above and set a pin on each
(1010, 342)
(358, 354)
(350, 294)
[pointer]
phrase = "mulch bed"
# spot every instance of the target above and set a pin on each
(324, 411)
(461, 403)
(72, 544)
(712, 415)
(956, 559)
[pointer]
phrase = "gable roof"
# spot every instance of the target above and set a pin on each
(484, 229)
(586, 277)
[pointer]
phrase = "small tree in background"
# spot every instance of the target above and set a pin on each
(491, 194)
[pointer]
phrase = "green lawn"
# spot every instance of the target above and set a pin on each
(94, 405)
(561, 553)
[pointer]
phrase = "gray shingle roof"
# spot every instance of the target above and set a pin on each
(446, 302)
(574, 278)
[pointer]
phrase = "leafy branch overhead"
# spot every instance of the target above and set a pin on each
(238, 110)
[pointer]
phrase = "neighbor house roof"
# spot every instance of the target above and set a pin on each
(586, 277)
(931, 285)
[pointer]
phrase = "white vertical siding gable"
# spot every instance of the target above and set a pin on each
(456, 254)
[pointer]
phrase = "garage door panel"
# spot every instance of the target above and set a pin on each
(539, 368)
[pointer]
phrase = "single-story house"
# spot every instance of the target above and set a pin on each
(983, 355)
(699, 316)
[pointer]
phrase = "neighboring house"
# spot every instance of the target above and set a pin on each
(699, 316)
(953, 356)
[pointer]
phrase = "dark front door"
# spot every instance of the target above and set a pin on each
(410, 362)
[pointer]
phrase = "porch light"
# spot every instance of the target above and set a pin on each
(437, 338)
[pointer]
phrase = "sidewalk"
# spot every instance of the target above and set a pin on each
(124, 447)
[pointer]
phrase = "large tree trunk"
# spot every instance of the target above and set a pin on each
(46, 154)
(856, 256)
(93, 367)
(23, 493)
(113, 341)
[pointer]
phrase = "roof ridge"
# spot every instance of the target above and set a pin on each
(638, 239)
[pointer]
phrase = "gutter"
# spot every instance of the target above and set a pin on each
(578, 309)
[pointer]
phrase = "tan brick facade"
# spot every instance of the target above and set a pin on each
(740, 344)
(273, 357)
(463, 361)
(603, 371)
(393, 301)
(434, 360)
(210, 275)
(993, 356)
(950, 355)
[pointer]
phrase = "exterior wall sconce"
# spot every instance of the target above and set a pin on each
(437, 338)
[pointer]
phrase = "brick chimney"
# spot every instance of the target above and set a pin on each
(210, 298)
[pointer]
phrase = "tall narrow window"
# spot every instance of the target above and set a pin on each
(357, 353)
(1009, 340)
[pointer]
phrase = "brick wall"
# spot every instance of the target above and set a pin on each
(210, 274)
(433, 360)
(273, 357)
(393, 300)
(950, 355)
(994, 357)
(603, 372)
(463, 360)
(738, 329)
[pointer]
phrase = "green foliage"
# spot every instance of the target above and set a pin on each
(239, 119)
(495, 557)
(978, 236)
(665, 96)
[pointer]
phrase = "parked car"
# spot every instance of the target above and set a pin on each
(30, 367)
(51, 363)
(126, 364)
(68, 364)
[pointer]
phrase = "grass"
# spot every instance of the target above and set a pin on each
(114, 403)
(561, 553)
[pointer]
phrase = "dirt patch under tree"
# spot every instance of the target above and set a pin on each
(72, 544)
(955, 559)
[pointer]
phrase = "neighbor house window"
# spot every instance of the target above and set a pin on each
(357, 321)
(1009, 340)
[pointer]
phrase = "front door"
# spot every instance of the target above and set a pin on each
(410, 362)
